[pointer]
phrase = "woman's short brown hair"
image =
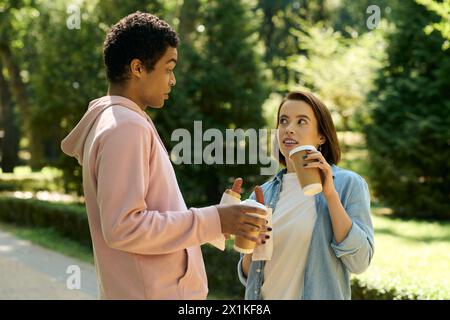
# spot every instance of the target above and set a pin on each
(330, 149)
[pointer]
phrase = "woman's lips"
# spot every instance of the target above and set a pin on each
(289, 143)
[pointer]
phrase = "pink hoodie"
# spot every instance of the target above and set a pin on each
(146, 242)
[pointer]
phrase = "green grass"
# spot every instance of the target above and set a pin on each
(50, 239)
(411, 257)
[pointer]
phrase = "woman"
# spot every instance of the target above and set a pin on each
(317, 240)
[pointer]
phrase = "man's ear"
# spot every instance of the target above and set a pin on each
(136, 68)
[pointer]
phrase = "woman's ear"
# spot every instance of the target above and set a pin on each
(322, 139)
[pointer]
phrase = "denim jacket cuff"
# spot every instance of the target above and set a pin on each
(353, 241)
(241, 275)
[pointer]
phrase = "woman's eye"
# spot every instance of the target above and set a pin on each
(302, 121)
(283, 121)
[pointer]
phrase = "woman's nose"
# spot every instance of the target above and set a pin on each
(289, 129)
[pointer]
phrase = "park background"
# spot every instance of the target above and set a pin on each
(382, 67)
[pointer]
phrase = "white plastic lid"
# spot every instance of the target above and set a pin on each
(242, 250)
(253, 203)
(301, 148)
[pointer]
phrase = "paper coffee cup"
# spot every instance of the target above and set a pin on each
(244, 245)
(309, 179)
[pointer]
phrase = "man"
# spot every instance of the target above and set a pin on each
(146, 242)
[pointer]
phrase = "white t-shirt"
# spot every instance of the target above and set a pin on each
(293, 222)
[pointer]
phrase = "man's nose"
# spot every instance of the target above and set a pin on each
(173, 81)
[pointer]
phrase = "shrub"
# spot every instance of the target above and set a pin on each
(69, 220)
(23, 179)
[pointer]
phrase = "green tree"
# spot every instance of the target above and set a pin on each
(338, 69)
(9, 143)
(15, 94)
(408, 138)
(443, 26)
(278, 18)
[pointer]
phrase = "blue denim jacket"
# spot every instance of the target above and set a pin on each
(327, 270)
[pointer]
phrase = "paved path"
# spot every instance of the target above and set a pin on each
(28, 271)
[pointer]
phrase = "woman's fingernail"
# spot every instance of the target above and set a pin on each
(263, 241)
(267, 237)
(270, 229)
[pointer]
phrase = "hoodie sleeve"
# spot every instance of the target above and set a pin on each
(122, 168)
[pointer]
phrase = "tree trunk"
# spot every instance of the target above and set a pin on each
(21, 98)
(268, 28)
(9, 144)
(346, 122)
(188, 18)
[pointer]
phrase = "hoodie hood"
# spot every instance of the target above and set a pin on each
(73, 144)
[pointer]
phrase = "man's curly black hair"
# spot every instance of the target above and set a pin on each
(140, 36)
